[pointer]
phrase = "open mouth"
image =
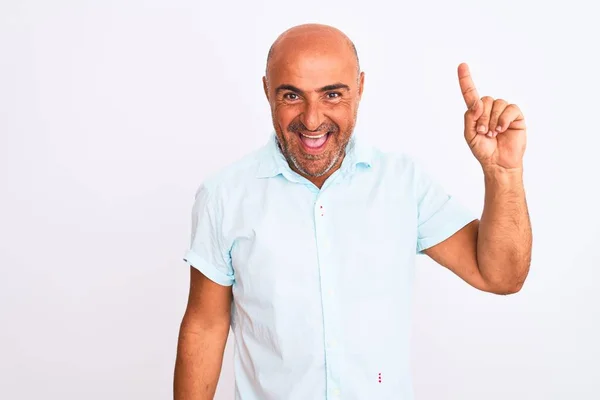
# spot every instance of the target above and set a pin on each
(314, 142)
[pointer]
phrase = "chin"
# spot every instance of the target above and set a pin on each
(325, 166)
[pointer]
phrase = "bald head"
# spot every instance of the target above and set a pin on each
(314, 39)
(314, 85)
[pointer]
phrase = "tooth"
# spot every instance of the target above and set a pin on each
(314, 137)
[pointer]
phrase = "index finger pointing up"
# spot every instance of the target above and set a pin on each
(467, 86)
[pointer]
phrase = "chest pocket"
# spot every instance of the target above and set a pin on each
(379, 239)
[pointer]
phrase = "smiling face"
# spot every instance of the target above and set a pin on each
(314, 89)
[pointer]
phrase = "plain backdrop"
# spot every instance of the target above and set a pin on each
(113, 112)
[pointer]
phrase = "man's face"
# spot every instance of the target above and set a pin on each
(314, 101)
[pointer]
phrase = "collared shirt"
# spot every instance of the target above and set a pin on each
(322, 278)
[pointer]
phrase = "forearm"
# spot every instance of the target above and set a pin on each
(504, 237)
(199, 361)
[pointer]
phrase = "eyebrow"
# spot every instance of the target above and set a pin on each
(335, 86)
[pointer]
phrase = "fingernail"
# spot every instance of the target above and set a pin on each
(489, 134)
(481, 129)
(498, 128)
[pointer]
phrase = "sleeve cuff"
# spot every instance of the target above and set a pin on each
(449, 219)
(211, 272)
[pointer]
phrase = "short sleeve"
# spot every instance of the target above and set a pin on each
(440, 214)
(208, 252)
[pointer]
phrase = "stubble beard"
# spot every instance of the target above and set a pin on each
(293, 160)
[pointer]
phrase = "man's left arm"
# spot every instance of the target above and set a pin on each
(504, 238)
(492, 254)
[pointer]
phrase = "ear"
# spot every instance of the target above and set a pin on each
(266, 87)
(361, 84)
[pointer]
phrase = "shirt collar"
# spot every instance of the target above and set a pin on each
(273, 163)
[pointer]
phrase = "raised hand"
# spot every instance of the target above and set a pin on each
(494, 129)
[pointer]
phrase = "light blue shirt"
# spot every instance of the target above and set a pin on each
(322, 279)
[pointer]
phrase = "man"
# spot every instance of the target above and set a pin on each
(307, 246)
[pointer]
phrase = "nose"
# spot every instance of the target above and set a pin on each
(311, 117)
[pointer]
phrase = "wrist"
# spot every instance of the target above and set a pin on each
(500, 175)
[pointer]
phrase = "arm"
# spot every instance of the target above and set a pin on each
(202, 338)
(493, 254)
(505, 239)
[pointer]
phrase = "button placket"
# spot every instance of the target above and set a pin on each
(330, 314)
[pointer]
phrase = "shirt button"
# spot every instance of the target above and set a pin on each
(331, 293)
(336, 392)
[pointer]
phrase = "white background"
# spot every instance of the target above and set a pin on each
(113, 112)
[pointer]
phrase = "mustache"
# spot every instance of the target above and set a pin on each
(299, 127)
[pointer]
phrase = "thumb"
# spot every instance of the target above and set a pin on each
(471, 117)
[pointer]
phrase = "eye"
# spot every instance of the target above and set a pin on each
(290, 96)
(333, 95)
